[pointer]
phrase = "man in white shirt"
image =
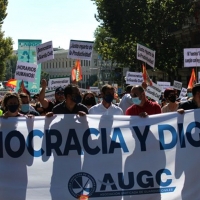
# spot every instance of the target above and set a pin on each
(126, 100)
(106, 107)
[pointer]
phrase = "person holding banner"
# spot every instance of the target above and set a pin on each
(142, 106)
(46, 104)
(106, 107)
(72, 103)
(172, 105)
(11, 104)
(192, 103)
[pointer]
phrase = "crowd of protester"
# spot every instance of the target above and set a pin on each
(70, 100)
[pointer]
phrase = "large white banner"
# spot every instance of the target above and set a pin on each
(134, 78)
(25, 71)
(192, 57)
(103, 157)
(45, 52)
(58, 82)
(146, 55)
(81, 50)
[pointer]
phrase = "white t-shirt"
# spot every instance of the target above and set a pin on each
(126, 102)
(99, 109)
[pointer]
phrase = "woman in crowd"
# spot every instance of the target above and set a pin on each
(11, 104)
(172, 105)
(89, 100)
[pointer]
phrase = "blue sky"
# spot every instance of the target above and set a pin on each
(50, 20)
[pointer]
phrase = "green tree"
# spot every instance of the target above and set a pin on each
(11, 67)
(148, 22)
(6, 47)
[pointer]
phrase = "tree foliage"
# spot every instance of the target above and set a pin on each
(6, 48)
(11, 67)
(148, 22)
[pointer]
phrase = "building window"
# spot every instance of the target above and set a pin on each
(89, 62)
(86, 62)
(49, 65)
(81, 63)
(66, 64)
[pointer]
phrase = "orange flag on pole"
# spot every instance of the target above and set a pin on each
(146, 78)
(22, 88)
(193, 80)
(76, 73)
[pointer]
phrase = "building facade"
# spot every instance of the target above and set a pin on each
(61, 66)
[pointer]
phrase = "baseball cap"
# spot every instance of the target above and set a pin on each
(59, 89)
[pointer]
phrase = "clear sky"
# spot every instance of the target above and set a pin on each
(50, 20)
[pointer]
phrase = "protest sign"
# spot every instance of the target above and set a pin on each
(27, 53)
(80, 50)
(134, 78)
(69, 156)
(58, 82)
(192, 57)
(95, 89)
(50, 95)
(154, 92)
(164, 85)
(177, 85)
(146, 55)
(183, 92)
(44, 52)
(198, 77)
(25, 71)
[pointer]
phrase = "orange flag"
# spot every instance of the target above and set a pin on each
(76, 73)
(22, 88)
(192, 81)
(146, 78)
(11, 83)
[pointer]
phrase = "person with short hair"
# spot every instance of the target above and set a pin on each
(126, 100)
(106, 107)
(71, 104)
(142, 106)
(25, 106)
(46, 104)
(192, 103)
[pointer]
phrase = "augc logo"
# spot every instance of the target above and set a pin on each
(81, 184)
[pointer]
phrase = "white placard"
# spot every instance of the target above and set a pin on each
(198, 77)
(134, 78)
(95, 89)
(146, 55)
(154, 92)
(192, 57)
(177, 85)
(183, 93)
(81, 50)
(50, 95)
(58, 82)
(25, 71)
(164, 85)
(44, 52)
